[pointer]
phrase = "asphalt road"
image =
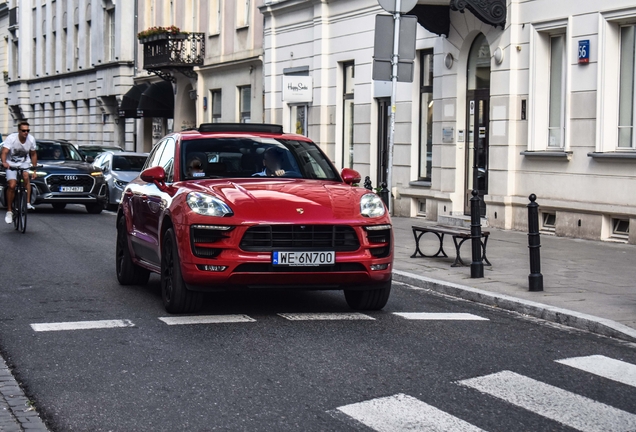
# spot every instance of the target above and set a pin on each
(268, 372)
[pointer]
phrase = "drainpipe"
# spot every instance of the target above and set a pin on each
(135, 54)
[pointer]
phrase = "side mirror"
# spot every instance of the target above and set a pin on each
(350, 176)
(155, 175)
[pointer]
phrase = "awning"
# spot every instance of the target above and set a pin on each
(434, 16)
(435, 19)
(130, 101)
(157, 101)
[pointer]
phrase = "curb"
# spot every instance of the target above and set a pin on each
(591, 323)
(15, 414)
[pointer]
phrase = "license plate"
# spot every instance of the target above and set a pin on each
(303, 259)
(71, 189)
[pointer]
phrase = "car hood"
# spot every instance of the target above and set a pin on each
(287, 200)
(76, 167)
(125, 176)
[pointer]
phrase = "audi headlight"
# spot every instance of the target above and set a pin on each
(371, 205)
(97, 174)
(38, 173)
(207, 205)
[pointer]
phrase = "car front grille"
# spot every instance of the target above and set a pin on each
(202, 238)
(267, 238)
(56, 181)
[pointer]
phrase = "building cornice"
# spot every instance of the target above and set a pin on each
(111, 65)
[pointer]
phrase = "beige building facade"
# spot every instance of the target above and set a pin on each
(509, 98)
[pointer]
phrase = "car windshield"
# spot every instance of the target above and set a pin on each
(128, 163)
(230, 157)
(57, 151)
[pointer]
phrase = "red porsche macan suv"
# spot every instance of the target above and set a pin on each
(232, 206)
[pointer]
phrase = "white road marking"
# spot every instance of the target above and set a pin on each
(554, 403)
(81, 325)
(401, 413)
(440, 316)
(329, 316)
(605, 367)
(207, 319)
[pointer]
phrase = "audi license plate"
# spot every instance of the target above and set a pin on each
(71, 189)
(303, 258)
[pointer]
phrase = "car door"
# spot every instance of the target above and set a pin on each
(143, 241)
(156, 200)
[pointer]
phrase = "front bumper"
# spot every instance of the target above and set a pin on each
(42, 193)
(353, 269)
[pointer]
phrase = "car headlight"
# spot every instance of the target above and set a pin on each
(371, 205)
(38, 173)
(120, 184)
(207, 205)
(97, 174)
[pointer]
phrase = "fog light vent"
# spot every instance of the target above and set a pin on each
(375, 267)
(212, 268)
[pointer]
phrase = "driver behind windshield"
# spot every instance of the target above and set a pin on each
(272, 161)
(57, 153)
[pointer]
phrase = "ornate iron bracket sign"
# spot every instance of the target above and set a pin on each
(164, 75)
(491, 12)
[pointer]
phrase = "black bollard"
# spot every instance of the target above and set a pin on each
(477, 266)
(367, 183)
(384, 194)
(535, 278)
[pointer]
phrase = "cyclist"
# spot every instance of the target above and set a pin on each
(15, 149)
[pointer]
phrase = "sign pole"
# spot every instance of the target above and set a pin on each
(394, 81)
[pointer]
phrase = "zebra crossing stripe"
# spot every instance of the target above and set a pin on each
(440, 316)
(81, 325)
(605, 367)
(403, 413)
(207, 319)
(554, 403)
(329, 316)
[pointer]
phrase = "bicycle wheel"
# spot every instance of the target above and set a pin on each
(15, 209)
(23, 211)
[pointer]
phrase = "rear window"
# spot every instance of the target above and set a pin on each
(244, 157)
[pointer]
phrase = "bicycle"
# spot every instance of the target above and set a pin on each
(19, 205)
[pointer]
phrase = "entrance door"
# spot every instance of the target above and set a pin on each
(384, 130)
(478, 122)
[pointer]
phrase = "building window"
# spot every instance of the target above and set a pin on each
(216, 105)
(298, 119)
(109, 40)
(215, 17)
(426, 116)
(556, 108)
(620, 228)
(347, 114)
(626, 88)
(242, 13)
(245, 104)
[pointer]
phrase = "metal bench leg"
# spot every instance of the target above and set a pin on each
(458, 259)
(483, 248)
(418, 251)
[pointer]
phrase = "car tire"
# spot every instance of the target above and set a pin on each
(128, 273)
(177, 298)
(58, 206)
(371, 299)
(94, 208)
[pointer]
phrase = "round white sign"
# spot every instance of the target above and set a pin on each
(405, 5)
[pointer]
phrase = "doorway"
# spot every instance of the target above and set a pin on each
(384, 130)
(477, 123)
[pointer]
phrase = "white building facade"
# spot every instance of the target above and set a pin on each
(216, 73)
(509, 98)
(69, 63)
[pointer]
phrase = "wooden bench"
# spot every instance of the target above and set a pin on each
(459, 234)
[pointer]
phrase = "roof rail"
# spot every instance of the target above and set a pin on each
(241, 127)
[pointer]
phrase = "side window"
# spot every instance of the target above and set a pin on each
(167, 158)
(155, 155)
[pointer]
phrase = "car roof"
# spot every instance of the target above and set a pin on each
(127, 153)
(195, 134)
(97, 146)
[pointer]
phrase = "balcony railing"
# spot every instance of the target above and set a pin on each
(173, 50)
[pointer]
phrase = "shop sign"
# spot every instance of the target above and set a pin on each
(297, 89)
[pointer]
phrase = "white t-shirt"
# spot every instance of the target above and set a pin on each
(19, 153)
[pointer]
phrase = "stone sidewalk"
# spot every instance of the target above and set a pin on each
(587, 284)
